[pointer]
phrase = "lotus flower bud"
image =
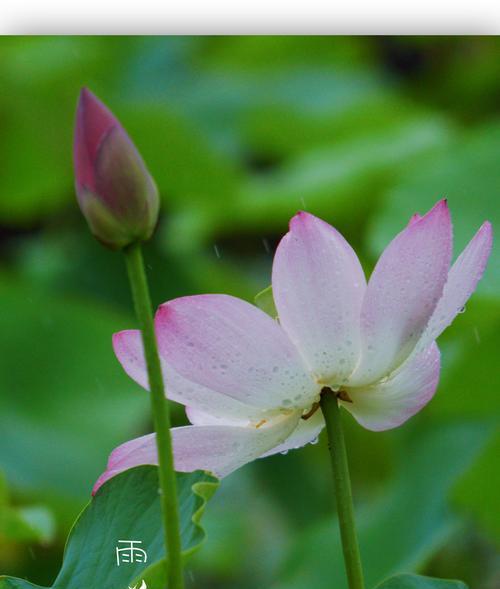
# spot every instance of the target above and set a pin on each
(115, 191)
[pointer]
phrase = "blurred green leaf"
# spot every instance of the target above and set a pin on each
(36, 177)
(361, 110)
(477, 492)
(345, 178)
(460, 74)
(128, 508)
(467, 174)
(44, 76)
(417, 582)
(469, 385)
(24, 524)
(259, 52)
(61, 383)
(469, 389)
(188, 170)
(405, 526)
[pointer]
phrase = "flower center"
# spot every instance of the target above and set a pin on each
(340, 394)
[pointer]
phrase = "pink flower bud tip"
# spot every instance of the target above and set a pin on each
(115, 191)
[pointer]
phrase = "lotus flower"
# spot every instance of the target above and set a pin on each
(115, 191)
(251, 384)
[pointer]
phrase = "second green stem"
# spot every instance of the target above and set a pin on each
(345, 509)
(161, 416)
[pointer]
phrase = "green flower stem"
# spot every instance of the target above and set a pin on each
(161, 415)
(345, 509)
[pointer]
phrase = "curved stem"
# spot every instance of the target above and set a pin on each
(345, 509)
(161, 416)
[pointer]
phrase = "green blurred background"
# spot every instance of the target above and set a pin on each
(240, 133)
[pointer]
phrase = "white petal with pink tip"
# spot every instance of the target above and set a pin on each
(318, 287)
(402, 293)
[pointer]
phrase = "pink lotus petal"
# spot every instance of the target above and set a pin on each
(234, 348)
(122, 179)
(129, 351)
(390, 403)
(318, 287)
(403, 292)
(307, 431)
(462, 281)
(218, 449)
(93, 122)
